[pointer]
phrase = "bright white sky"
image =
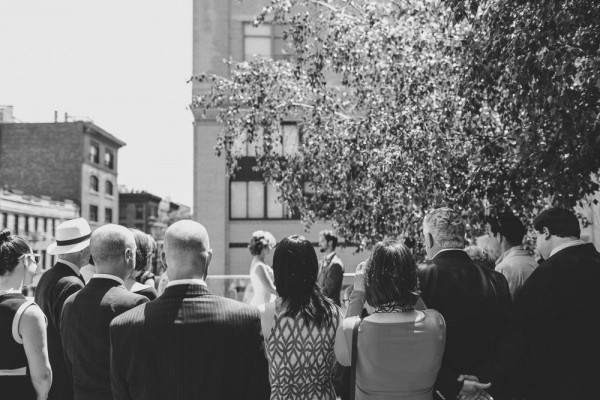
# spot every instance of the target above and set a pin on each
(122, 63)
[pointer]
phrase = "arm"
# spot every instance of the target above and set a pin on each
(120, 389)
(264, 278)
(258, 386)
(358, 295)
(340, 348)
(333, 280)
(32, 328)
(267, 315)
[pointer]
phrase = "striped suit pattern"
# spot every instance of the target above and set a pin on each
(189, 344)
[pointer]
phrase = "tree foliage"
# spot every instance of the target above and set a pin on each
(405, 105)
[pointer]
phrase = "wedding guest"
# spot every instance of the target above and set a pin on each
(399, 348)
(188, 343)
(331, 267)
(72, 247)
(475, 301)
(515, 263)
(300, 325)
(87, 314)
(143, 258)
(24, 363)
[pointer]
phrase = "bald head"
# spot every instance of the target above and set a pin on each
(113, 250)
(186, 250)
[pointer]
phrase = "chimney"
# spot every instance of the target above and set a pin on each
(66, 117)
(55, 116)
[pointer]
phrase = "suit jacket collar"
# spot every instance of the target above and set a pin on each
(583, 248)
(67, 270)
(451, 253)
(190, 290)
(103, 282)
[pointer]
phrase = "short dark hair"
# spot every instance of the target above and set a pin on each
(509, 226)
(11, 248)
(143, 249)
(295, 269)
(391, 275)
(330, 236)
(559, 221)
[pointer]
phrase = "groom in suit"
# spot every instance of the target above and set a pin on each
(188, 343)
(331, 268)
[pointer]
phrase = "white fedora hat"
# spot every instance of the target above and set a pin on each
(71, 236)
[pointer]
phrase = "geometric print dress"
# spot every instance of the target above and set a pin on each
(301, 358)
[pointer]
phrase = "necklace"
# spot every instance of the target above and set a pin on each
(390, 308)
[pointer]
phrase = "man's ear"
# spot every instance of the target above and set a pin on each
(546, 233)
(163, 259)
(430, 240)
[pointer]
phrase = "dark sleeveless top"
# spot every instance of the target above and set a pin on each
(14, 381)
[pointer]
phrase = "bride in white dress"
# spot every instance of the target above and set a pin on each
(261, 275)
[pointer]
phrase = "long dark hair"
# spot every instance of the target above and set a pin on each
(295, 266)
(11, 248)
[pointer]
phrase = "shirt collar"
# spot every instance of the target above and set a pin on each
(74, 267)
(565, 245)
(108, 276)
(187, 282)
(507, 253)
(442, 250)
(329, 256)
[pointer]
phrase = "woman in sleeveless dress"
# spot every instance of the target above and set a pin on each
(24, 364)
(261, 275)
(299, 328)
(399, 348)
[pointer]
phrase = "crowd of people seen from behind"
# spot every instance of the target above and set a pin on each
(484, 322)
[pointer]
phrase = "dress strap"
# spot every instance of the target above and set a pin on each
(17, 319)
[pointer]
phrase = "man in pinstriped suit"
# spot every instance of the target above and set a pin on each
(188, 343)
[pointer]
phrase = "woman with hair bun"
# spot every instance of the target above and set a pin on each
(400, 349)
(261, 275)
(299, 328)
(24, 364)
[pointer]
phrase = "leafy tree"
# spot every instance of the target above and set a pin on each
(400, 110)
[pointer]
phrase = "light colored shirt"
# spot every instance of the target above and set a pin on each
(108, 276)
(558, 248)
(187, 282)
(516, 264)
(70, 264)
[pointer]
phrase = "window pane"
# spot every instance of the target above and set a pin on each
(274, 207)
(260, 30)
(258, 46)
(109, 159)
(290, 139)
(256, 200)
(239, 200)
(109, 188)
(108, 218)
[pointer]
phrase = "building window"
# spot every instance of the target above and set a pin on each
(285, 142)
(108, 217)
(94, 183)
(264, 40)
(95, 153)
(153, 210)
(109, 159)
(109, 188)
(139, 211)
(93, 213)
(256, 200)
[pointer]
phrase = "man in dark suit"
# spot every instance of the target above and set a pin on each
(55, 285)
(87, 314)
(188, 343)
(331, 268)
(554, 335)
(473, 300)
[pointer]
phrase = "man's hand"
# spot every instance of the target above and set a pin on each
(472, 389)
(359, 276)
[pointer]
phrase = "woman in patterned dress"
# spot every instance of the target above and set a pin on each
(299, 328)
(24, 364)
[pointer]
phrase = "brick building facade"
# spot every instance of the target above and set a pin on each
(63, 160)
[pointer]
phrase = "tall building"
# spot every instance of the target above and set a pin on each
(232, 209)
(64, 160)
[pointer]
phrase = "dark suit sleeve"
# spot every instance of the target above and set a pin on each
(118, 383)
(68, 288)
(333, 280)
(258, 382)
(65, 312)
